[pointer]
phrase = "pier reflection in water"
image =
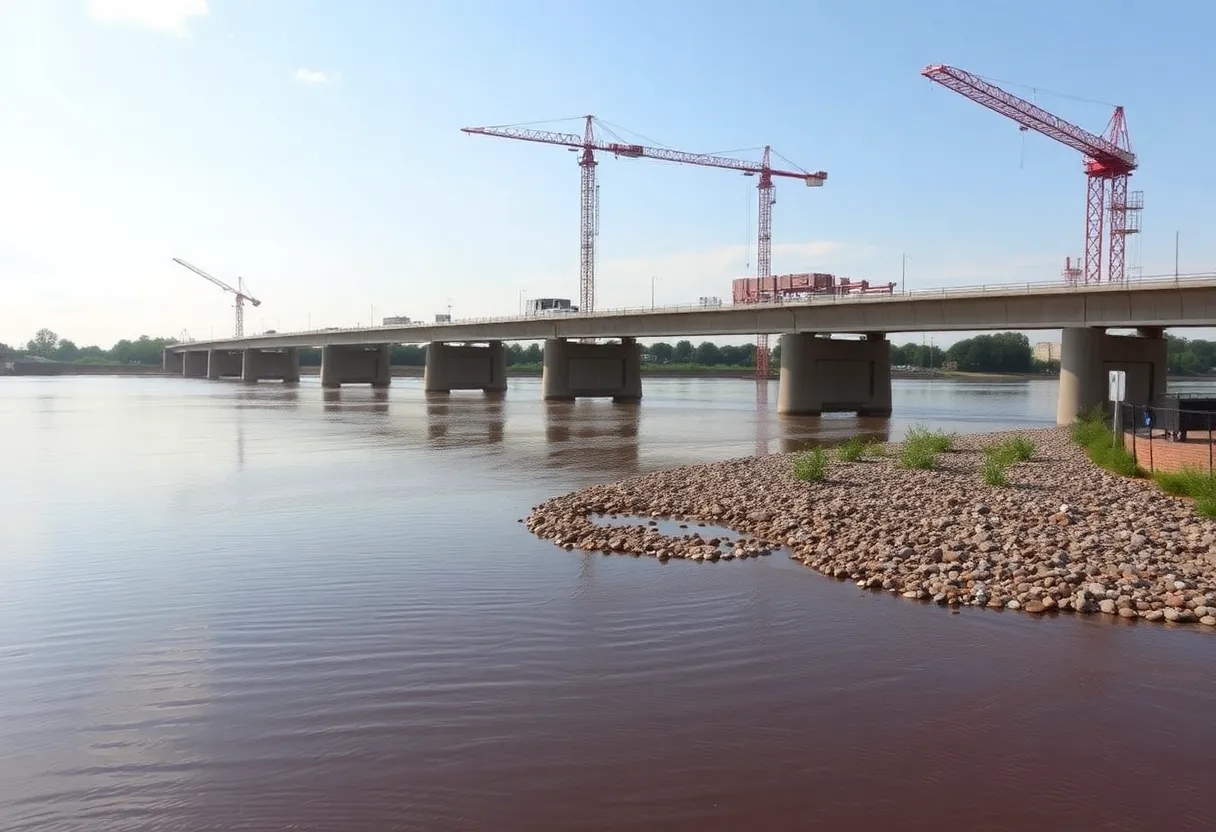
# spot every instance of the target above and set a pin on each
(235, 607)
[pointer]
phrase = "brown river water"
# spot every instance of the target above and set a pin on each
(226, 607)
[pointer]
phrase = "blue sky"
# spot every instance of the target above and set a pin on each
(314, 148)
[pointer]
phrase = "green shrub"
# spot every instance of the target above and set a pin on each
(993, 469)
(811, 466)
(857, 448)
(917, 455)
(935, 440)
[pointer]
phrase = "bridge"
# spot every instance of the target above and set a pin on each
(819, 373)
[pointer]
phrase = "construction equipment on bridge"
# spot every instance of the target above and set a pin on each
(588, 143)
(801, 287)
(241, 294)
(1108, 158)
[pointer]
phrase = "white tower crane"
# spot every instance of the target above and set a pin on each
(241, 294)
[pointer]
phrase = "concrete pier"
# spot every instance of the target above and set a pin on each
(260, 365)
(194, 364)
(172, 362)
(221, 363)
(822, 375)
(1088, 354)
(355, 365)
(465, 367)
(574, 370)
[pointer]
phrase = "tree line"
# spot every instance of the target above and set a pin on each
(46, 344)
(1001, 352)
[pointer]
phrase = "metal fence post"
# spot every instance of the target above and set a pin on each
(1151, 467)
(1135, 429)
(1209, 420)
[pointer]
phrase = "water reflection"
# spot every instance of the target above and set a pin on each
(465, 420)
(266, 397)
(355, 400)
(592, 435)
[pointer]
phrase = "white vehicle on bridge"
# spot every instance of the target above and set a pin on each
(550, 306)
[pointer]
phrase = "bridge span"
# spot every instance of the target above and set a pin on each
(818, 372)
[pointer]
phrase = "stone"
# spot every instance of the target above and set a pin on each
(1034, 606)
(1208, 621)
(1107, 606)
(1127, 612)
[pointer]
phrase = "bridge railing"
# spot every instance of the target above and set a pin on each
(1045, 287)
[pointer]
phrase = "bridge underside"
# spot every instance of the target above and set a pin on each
(819, 373)
(465, 367)
(1087, 355)
(355, 365)
(580, 370)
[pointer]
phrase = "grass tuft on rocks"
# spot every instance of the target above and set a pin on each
(937, 441)
(993, 470)
(857, 448)
(811, 466)
(1020, 448)
(917, 456)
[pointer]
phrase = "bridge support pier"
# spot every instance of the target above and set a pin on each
(194, 364)
(575, 370)
(172, 362)
(821, 375)
(222, 363)
(259, 365)
(358, 364)
(465, 367)
(1088, 354)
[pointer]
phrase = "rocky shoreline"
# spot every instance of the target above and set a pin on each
(1064, 536)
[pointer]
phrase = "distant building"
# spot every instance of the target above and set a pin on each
(396, 320)
(443, 318)
(1046, 351)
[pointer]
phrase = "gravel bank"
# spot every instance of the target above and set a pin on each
(1065, 536)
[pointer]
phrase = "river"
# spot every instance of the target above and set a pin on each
(230, 607)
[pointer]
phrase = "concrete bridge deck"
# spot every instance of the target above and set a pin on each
(818, 373)
(1188, 300)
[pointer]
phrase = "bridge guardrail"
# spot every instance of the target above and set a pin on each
(1029, 287)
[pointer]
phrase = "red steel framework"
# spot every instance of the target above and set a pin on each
(1108, 159)
(588, 143)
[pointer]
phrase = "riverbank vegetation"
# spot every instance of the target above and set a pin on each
(1102, 446)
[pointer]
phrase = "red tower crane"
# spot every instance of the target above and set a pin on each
(1108, 158)
(588, 143)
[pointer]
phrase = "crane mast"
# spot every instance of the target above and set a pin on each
(588, 144)
(1108, 159)
(240, 293)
